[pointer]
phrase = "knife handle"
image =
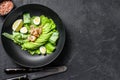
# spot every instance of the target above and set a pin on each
(24, 77)
(16, 70)
(20, 70)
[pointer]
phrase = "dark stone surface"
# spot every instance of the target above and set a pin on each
(92, 49)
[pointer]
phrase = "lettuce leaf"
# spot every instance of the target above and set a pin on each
(50, 48)
(7, 35)
(39, 42)
(48, 37)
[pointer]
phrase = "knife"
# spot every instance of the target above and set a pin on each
(41, 74)
(22, 70)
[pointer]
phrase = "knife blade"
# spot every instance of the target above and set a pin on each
(41, 74)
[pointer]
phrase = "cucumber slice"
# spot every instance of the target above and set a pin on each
(26, 18)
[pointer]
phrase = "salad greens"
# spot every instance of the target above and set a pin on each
(50, 48)
(38, 33)
(39, 42)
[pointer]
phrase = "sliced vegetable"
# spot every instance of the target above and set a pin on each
(54, 38)
(17, 25)
(23, 30)
(26, 18)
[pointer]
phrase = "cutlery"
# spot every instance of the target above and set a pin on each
(22, 70)
(43, 73)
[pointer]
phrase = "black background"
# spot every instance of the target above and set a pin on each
(92, 49)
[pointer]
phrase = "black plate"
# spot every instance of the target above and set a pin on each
(23, 57)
